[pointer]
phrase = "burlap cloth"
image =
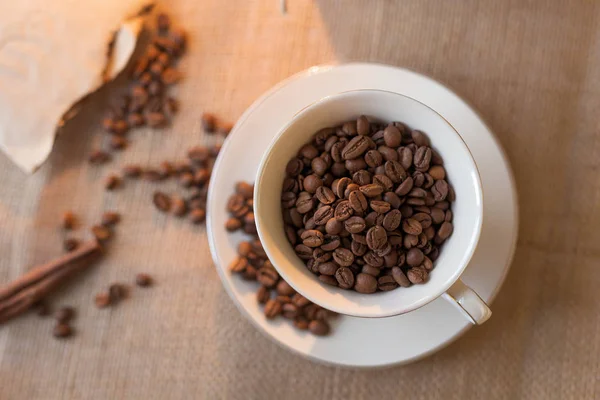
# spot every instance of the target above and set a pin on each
(532, 68)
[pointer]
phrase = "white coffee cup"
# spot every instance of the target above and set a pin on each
(444, 279)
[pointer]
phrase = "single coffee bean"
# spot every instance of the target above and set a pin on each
(365, 283)
(418, 192)
(437, 215)
(392, 136)
(319, 328)
(328, 268)
(387, 153)
(339, 186)
(102, 300)
(445, 230)
(250, 273)
(355, 165)
(284, 289)
(198, 215)
(422, 158)
(412, 226)
(308, 151)
(415, 201)
(372, 190)
(377, 135)
(321, 255)
(370, 270)
(289, 311)
(410, 241)
(392, 220)
(384, 251)
(440, 190)
(263, 295)
(363, 126)
(429, 181)
(356, 147)
(325, 195)
(117, 292)
(355, 224)
(414, 257)
(417, 275)
(294, 167)
(331, 242)
(349, 128)
(380, 207)
(405, 157)
(423, 218)
(361, 177)
(448, 216)
(312, 238)
(132, 171)
(358, 249)
(62, 330)
(374, 260)
(383, 181)
(343, 257)
(272, 308)
(334, 227)
(358, 201)
(304, 203)
(405, 187)
(395, 171)
(376, 237)
(429, 232)
(390, 259)
(329, 280)
(267, 276)
(143, 280)
(323, 215)
(400, 277)
(98, 157)
(418, 179)
(406, 210)
(345, 278)
(301, 323)
(239, 264)
(419, 138)
(427, 263)
(288, 199)
(373, 158)
(312, 183)
(349, 189)
(161, 201)
(343, 211)
(442, 205)
(386, 283)
(112, 182)
(395, 238)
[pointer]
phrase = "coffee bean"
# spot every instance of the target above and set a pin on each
(312, 183)
(414, 257)
(448, 216)
(303, 251)
(304, 203)
(312, 238)
(162, 201)
(417, 275)
(343, 211)
(422, 158)
(411, 226)
(445, 230)
(424, 219)
(358, 249)
(418, 179)
(112, 182)
(361, 177)
(365, 283)
(440, 190)
(319, 166)
(117, 292)
(419, 138)
(319, 328)
(363, 126)
(339, 186)
(410, 241)
(380, 207)
(427, 263)
(370, 270)
(355, 165)
(392, 219)
(400, 277)
(197, 216)
(325, 195)
(64, 314)
(62, 331)
(392, 136)
(373, 158)
(334, 227)
(383, 181)
(143, 280)
(284, 289)
(98, 157)
(405, 157)
(208, 121)
(267, 276)
(394, 171)
(70, 244)
(323, 215)
(294, 167)
(132, 171)
(415, 201)
(358, 201)
(405, 187)
(301, 323)
(371, 190)
(437, 215)
(290, 311)
(328, 268)
(343, 257)
(350, 128)
(429, 232)
(376, 237)
(328, 280)
(386, 283)
(101, 233)
(272, 308)
(395, 238)
(110, 218)
(387, 153)
(355, 224)
(102, 300)
(390, 259)
(373, 259)
(345, 278)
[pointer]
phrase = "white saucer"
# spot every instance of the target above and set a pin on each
(358, 342)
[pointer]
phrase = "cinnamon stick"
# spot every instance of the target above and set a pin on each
(40, 272)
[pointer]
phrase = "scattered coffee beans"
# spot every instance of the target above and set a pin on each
(366, 206)
(277, 296)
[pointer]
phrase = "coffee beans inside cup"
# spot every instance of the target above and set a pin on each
(367, 206)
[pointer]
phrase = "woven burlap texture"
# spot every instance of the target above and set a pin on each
(531, 68)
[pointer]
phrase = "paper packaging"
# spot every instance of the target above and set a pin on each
(52, 54)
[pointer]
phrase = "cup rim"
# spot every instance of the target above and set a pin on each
(262, 233)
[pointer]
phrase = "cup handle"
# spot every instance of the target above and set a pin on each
(468, 303)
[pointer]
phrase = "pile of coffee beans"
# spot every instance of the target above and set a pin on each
(367, 205)
(252, 264)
